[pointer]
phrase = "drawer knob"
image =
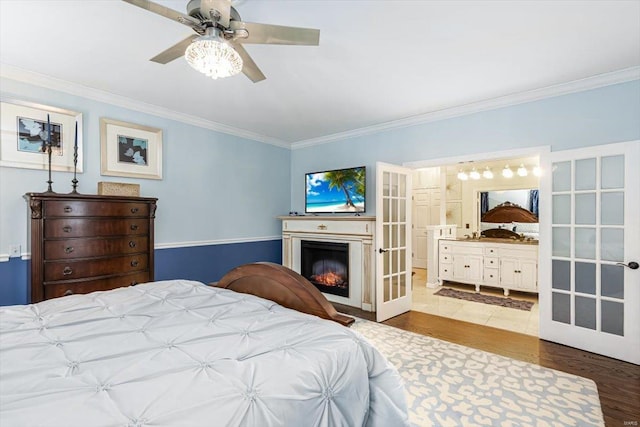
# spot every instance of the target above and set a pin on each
(134, 263)
(67, 271)
(134, 227)
(67, 293)
(68, 209)
(68, 249)
(67, 229)
(132, 244)
(322, 227)
(134, 210)
(490, 262)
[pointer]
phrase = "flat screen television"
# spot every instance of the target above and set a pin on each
(335, 191)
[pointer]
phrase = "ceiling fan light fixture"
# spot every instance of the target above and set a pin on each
(213, 56)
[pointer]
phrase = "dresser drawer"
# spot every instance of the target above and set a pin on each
(491, 276)
(85, 248)
(87, 286)
(77, 269)
(446, 258)
(67, 228)
(491, 261)
(73, 208)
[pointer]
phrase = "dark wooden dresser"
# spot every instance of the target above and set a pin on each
(86, 243)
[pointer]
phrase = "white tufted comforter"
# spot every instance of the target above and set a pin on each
(179, 353)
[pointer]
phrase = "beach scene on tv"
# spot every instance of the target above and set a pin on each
(336, 191)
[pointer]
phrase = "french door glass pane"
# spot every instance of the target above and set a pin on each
(561, 209)
(586, 208)
(561, 274)
(585, 243)
(612, 208)
(561, 241)
(561, 176)
(612, 246)
(612, 172)
(585, 312)
(612, 279)
(586, 278)
(561, 307)
(612, 317)
(585, 174)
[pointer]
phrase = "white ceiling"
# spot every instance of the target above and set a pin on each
(378, 61)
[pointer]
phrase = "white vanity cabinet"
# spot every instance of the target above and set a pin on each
(511, 266)
(519, 270)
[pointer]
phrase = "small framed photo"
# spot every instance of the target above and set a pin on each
(26, 128)
(130, 150)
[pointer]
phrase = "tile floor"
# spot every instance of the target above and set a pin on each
(511, 319)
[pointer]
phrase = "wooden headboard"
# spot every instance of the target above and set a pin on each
(283, 286)
(508, 212)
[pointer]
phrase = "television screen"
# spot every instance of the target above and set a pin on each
(335, 191)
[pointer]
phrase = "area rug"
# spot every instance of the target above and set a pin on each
(453, 385)
(485, 299)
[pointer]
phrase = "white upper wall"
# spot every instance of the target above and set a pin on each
(592, 117)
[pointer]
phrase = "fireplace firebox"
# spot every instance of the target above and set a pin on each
(326, 265)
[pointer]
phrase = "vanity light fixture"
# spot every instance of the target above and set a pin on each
(507, 172)
(474, 174)
(462, 175)
(522, 171)
(487, 173)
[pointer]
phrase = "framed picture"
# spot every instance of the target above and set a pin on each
(130, 150)
(25, 136)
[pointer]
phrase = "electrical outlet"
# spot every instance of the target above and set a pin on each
(14, 251)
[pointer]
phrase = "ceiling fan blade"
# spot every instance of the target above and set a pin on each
(222, 6)
(249, 68)
(174, 52)
(166, 12)
(276, 34)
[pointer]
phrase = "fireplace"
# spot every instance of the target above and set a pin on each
(326, 265)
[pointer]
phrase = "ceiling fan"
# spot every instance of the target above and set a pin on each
(218, 24)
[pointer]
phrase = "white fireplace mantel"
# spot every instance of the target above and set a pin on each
(357, 231)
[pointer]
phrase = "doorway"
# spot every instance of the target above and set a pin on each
(446, 192)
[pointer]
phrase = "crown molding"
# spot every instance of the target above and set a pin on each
(36, 79)
(593, 82)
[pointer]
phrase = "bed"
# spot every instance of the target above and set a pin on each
(509, 220)
(182, 353)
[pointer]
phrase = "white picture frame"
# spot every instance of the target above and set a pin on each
(23, 138)
(130, 150)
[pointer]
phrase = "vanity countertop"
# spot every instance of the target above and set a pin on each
(498, 240)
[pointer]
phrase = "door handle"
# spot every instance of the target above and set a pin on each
(632, 265)
(382, 250)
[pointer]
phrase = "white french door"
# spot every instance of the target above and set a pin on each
(589, 278)
(393, 240)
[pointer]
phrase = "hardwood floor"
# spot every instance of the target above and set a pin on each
(618, 382)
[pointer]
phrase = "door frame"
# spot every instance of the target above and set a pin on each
(540, 151)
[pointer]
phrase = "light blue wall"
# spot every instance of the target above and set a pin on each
(215, 187)
(598, 116)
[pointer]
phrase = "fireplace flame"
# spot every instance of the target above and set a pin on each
(329, 279)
